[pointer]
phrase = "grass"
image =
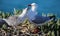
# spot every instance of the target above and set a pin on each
(50, 29)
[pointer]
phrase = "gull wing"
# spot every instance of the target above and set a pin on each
(40, 20)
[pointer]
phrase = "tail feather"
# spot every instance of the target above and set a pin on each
(2, 22)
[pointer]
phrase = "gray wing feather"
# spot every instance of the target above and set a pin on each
(2, 22)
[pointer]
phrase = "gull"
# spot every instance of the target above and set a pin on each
(15, 19)
(34, 17)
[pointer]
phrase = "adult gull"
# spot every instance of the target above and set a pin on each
(34, 17)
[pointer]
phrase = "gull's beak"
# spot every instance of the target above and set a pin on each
(29, 5)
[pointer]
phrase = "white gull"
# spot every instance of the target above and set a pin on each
(34, 17)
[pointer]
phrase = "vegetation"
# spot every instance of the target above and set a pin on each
(51, 28)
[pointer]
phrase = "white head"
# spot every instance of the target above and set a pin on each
(33, 6)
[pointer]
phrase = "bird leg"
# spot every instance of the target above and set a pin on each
(14, 28)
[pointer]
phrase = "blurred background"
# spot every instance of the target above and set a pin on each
(45, 6)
